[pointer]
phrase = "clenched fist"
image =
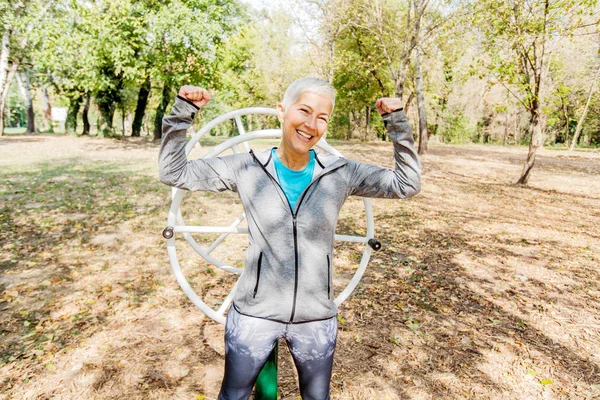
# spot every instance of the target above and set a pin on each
(388, 104)
(195, 94)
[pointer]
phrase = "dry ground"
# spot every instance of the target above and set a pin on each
(483, 290)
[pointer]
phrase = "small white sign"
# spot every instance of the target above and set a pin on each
(59, 113)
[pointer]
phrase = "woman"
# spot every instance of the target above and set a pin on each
(292, 198)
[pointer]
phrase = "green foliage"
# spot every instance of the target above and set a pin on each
(515, 36)
(457, 128)
(258, 62)
(108, 49)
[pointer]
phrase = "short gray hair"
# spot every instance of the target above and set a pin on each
(302, 85)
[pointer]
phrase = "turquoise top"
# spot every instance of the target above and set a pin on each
(293, 182)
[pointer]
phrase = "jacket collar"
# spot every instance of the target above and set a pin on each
(324, 161)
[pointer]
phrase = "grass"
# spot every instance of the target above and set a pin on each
(482, 290)
(14, 131)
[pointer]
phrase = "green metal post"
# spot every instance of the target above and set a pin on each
(266, 383)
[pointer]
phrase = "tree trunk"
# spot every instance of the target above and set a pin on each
(401, 79)
(107, 113)
(367, 121)
(331, 62)
(4, 54)
(47, 111)
(4, 93)
(107, 100)
(123, 121)
(349, 131)
(140, 108)
(411, 42)
(567, 120)
(423, 134)
(516, 127)
(506, 119)
(584, 114)
(160, 111)
(74, 106)
(25, 87)
(537, 139)
(4, 73)
(85, 115)
(408, 102)
(505, 136)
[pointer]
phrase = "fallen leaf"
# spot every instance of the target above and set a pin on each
(50, 367)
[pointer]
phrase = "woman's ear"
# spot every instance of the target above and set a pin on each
(280, 112)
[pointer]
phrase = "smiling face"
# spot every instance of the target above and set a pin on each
(304, 122)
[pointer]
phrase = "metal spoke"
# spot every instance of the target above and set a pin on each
(356, 239)
(208, 229)
(224, 235)
(242, 131)
(203, 252)
(228, 299)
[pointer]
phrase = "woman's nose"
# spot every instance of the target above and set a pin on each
(311, 123)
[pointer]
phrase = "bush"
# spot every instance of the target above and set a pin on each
(457, 128)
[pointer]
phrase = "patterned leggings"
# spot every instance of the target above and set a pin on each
(249, 341)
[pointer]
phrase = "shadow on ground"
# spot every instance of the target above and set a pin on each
(458, 304)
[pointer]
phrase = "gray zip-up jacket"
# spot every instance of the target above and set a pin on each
(288, 267)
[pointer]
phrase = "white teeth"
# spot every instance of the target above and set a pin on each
(304, 135)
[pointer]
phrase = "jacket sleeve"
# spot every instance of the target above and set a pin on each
(214, 174)
(405, 180)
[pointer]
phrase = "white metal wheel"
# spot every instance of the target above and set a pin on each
(176, 224)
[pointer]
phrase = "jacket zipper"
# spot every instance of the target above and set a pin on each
(294, 219)
(295, 270)
(298, 204)
(257, 274)
(328, 278)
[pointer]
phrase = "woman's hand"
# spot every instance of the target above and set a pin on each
(195, 94)
(388, 104)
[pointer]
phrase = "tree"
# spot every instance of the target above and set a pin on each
(120, 35)
(62, 55)
(10, 13)
(140, 107)
(516, 35)
(184, 37)
(25, 86)
(397, 27)
(359, 86)
(585, 111)
(18, 21)
(423, 134)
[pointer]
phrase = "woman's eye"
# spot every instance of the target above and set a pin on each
(304, 110)
(323, 119)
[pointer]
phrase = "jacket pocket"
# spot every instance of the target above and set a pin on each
(257, 274)
(328, 277)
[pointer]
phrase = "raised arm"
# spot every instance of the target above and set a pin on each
(405, 179)
(215, 174)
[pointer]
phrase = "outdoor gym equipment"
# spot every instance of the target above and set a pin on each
(176, 224)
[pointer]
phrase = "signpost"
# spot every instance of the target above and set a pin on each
(59, 114)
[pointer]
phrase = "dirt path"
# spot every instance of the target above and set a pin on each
(483, 290)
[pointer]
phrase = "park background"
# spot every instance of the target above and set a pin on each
(487, 285)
